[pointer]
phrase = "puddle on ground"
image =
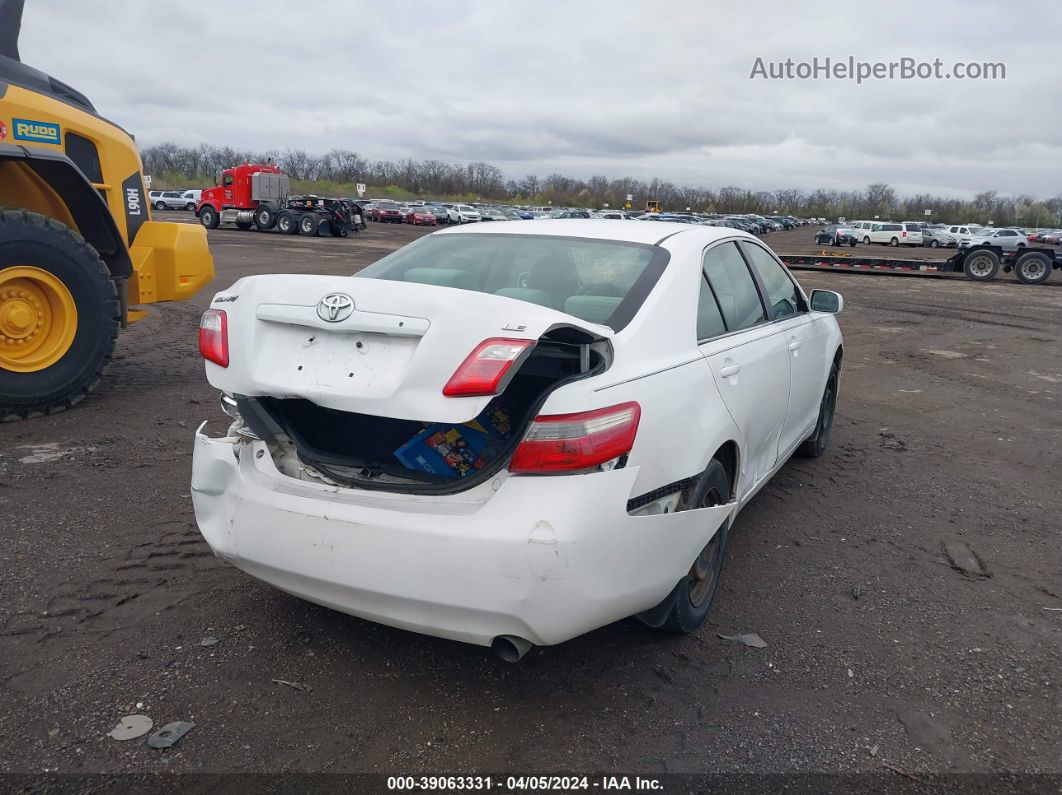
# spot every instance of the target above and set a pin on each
(51, 451)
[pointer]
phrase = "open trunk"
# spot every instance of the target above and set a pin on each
(361, 397)
(379, 452)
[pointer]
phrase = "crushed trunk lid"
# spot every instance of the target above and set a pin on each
(389, 354)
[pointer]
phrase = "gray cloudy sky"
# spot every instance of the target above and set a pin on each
(582, 87)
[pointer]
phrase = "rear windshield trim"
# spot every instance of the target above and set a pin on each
(635, 297)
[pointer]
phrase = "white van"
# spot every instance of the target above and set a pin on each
(894, 234)
(861, 228)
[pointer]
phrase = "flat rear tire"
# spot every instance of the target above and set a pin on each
(684, 609)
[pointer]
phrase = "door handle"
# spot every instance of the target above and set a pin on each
(730, 369)
(794, 345)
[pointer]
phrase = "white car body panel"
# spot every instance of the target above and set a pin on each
(515, 564)
(541, 557)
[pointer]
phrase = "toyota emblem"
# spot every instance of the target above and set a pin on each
(335, 307)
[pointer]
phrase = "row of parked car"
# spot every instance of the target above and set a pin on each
(431, 213)
(911, 233)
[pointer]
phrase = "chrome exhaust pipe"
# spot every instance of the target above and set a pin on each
(510, 648)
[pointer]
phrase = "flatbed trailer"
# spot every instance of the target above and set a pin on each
(1030, 264)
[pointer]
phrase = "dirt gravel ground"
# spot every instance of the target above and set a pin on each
(882, 653)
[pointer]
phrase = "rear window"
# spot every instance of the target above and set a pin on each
(600, 281)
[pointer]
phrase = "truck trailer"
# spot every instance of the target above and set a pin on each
(258, 196)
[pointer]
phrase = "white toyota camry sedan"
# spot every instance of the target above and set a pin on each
(512, 436)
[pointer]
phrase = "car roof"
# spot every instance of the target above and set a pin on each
(600, 229)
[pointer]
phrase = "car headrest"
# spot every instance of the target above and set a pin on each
(532, 296)
(444, 277)
(594, 308)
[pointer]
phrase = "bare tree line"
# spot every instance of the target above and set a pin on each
(197, 166)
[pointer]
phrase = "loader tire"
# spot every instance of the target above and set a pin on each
(59, 316)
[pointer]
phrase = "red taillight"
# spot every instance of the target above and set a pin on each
(214, 337)
(904, 233)
(483, 371)
(577, 442)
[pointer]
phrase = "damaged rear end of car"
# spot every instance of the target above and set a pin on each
(391, 452)
(423, 402)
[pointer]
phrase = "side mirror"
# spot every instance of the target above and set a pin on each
(826, 301)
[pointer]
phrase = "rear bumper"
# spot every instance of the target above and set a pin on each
(544, 558)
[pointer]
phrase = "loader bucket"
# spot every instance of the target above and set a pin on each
(171, 262)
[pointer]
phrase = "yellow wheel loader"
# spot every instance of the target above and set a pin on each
(78, 249)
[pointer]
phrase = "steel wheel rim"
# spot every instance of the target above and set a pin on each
(38, 319)
(981, 266)
(703, 572)
(1032, 269)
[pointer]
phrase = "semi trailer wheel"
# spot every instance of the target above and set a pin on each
(308, 224)
(286, 223)
(1033, 267)
(209, 218)
(264, 218)
(981, 266)
(59, 316)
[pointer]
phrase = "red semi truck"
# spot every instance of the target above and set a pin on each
(257, 195)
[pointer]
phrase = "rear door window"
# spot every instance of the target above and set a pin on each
(783, 296)
(734, 287)
(709, 318)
